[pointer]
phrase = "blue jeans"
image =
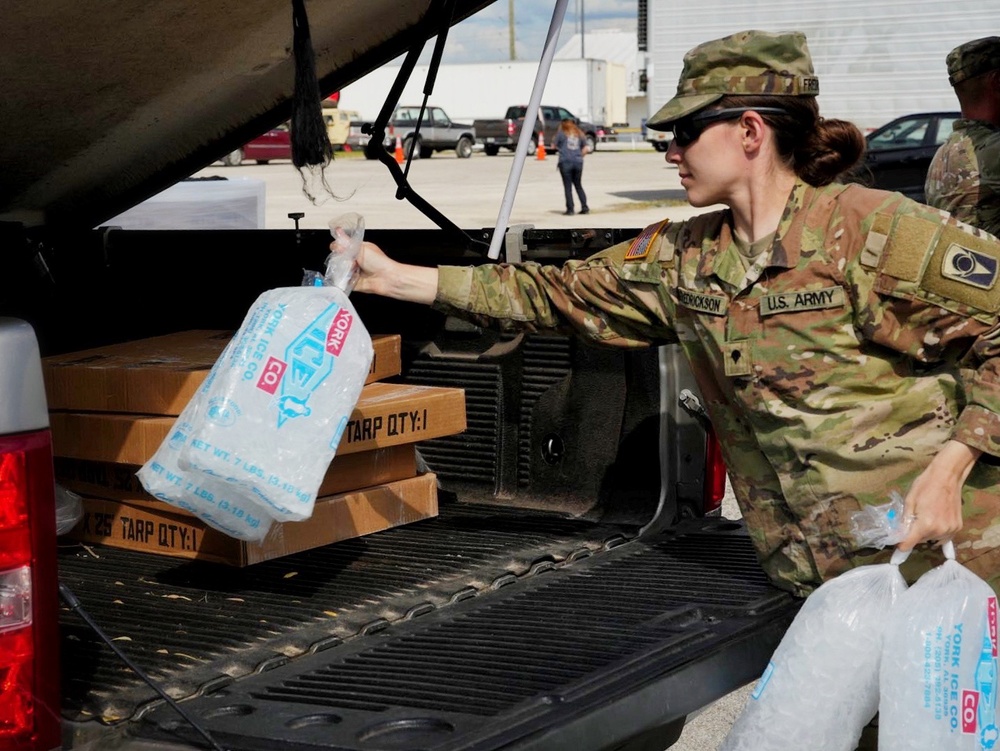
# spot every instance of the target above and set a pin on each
(572, 175)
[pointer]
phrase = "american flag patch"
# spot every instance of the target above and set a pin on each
(640, 246)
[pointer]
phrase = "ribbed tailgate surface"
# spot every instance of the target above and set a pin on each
(193, 625)
(508, 662)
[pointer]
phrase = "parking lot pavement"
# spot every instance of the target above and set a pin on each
(625, 187)
(707, 731)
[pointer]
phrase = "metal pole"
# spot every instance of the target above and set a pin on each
(510, 29)
(527, 127)
(576, 26)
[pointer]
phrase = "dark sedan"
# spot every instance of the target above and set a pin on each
(900, 152)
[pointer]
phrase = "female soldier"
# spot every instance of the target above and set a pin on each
(845, 339)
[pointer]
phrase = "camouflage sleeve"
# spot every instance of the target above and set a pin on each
(586, 297)
(935, 297)
(952, 182)
(988, 159)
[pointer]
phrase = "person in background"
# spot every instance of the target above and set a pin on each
(845, 340)
(571, 142)
(964, 177)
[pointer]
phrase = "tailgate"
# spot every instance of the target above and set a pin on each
(483, 629)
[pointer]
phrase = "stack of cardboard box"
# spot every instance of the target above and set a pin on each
(110, 408)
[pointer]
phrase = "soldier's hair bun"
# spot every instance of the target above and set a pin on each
(817, 149)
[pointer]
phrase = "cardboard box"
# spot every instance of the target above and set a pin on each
(158, 376)
(387, 414)
(159, 528)
(349, 472)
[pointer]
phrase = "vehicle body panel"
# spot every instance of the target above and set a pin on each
(22, 407)
(659, 138)
(338, 125)
(900, 152)
(29, 641)
(275, 144)
(356, 137)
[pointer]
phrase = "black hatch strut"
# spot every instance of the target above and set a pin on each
(404, 191)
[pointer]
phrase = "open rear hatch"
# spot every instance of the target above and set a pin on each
(108, 104)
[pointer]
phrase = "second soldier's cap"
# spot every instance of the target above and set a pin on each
(973, 59)
(748, 62)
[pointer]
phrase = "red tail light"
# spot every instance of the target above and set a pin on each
(511, 128)
(29, 627)
(715, 474)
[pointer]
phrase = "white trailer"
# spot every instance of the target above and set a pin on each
(593, 90)
(876, 59)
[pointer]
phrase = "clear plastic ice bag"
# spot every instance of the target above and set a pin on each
(821, 686)
(224, 506)
(939, 664)
(880, 526)
(280, 398)
(256, 440)
(348, 232)
(69, 509)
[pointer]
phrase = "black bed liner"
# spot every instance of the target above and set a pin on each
(192, 624)
(474, 630)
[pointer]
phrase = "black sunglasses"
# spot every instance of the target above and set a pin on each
(686, 130)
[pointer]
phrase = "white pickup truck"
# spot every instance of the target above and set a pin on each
(436, 132)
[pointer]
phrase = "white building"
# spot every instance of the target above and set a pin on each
(876, 59)
(615, 47)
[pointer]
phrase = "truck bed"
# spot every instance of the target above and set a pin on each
(487, 627)
(491, 128)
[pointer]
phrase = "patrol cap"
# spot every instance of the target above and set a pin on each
(973, 59)
(748, 62)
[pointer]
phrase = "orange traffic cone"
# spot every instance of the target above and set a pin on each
(399, 151)
(540, 155)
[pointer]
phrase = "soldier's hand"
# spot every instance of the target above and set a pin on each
(380, 275)
(375, 269)
(933, 506)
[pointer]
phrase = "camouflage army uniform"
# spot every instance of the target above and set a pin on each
(830, 368)
(964, 177)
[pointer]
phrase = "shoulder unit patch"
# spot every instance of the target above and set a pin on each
(965, 268)
(969, 267)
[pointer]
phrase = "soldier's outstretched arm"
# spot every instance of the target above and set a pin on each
(380, 275)
(587, 297)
